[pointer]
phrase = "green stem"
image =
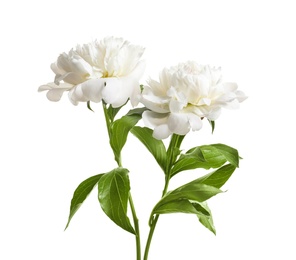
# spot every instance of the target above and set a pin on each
(172, 154)
(135, 218)
(136, 226)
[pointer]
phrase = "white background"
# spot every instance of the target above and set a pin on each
(48, 148)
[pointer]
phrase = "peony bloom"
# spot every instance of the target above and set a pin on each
(108, 70)
(184, 95)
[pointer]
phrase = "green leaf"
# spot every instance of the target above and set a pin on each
(230, 154)
(81, 193)
(114, 188)
(186, 199)
(112, 111)
(219, 177)
(136, 111)
(120, 129)
(194, 191)
(212, 123)
(206, 220)
(154, 146)
(206, 156)
(88, 106)
(180, 206)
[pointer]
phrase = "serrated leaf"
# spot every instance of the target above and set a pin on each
(154, 146)
(114, 188)
(81, 193)
(120, 129)
(213, 156)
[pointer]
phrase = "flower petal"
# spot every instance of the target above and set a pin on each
(179, 123)
(92, 89)
(115, 92)
(152, 119)
(161, 132)
(194, 121)
(55, 92)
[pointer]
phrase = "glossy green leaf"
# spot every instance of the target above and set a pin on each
(194, 191)
(206, 156)
(120, 129)
(136, 111)
(181, 206)
(81, 193)
(114, 188)
(154, 146)
(186, 199)
(205, 219)
(219, 177)
(230, 154)
(113, 111)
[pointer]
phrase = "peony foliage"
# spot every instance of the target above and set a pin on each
(109, 71)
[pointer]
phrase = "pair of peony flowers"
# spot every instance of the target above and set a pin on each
(110, 70)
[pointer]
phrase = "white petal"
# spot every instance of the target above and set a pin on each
(92, 89)
(138, 71)
(161, 132)
(55, 94)
(194, 121)
(112, 90)
(155, 103)
(117, 90)
(240, 96)
(213, 114)
(230, 86)
(152, 119)
(70, 77)
(179, 123)
(135, 96)
(76, 95)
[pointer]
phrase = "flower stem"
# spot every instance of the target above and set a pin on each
(136, 226)
(172, 154)
(109, 122)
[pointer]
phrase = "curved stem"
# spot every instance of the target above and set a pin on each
(172, 154)
(109, 121)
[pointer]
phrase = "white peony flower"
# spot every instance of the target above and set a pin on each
(183, 96)
(108, 70)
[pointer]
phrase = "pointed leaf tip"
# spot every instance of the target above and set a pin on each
(81, 193)
(114, 188)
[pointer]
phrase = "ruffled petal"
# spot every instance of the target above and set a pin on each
(240, 96)
(117, 91)
(55, 92)
(76, 95)
(179, 123)
(194, 121)
(156, 103)
(136, 92)
(92, 89)
(161, 132)
(152, 119)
